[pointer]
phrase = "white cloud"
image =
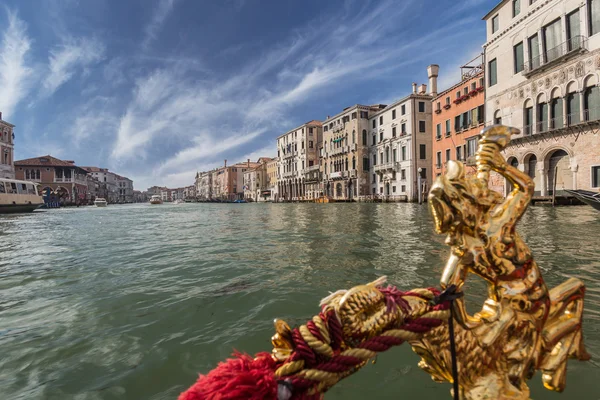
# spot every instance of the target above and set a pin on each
(14, 71)
(161, 12)
(65, 60)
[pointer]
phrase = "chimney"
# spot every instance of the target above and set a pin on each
(423, 89)
(432, 73)
(225, 163)
(248, 163)
(414, 88)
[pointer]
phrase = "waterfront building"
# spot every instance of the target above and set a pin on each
(7, 168)
(458, 118)
(140, 197)
(189, 192)
(124, 189)
(542, 66)
(119, 189)
(60, 179)
(345, 153)
(228, 181)
(256, 182)
(297, 152)
(95, 189)
(272, 179)
(204, 185)
(401, 144)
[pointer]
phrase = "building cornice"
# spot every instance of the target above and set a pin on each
(494, 10)
(403, 100)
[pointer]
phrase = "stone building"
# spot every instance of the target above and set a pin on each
(61, 180)
(272, 179)
(204, 186)
(297, 152)
(345, 153)
(542, 75)
(458, 118)
(400, 144)
(124, 189)
(7, 168)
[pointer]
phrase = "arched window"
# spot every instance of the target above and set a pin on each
(591, 99)
(528, 117)
(346, 165)
(353, 162)
(542, 114)
(364, 137)
(573, 106)
(366, 163)
(531, 165)
(353, 136)
(556, 110)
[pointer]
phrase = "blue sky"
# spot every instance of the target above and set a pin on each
(158, 89)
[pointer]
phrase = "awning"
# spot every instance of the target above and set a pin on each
(266, 192)
(338, 140)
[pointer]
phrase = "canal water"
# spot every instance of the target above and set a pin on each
(133, 301)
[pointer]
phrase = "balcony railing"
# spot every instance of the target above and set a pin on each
(561, 122)
(550, 56)
(289, 174)
(313, 168)
(384, 166)
(339, 150)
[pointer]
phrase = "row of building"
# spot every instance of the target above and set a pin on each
(62, 181)
(539, 72)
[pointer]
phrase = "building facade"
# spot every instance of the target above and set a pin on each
(60, 181)
(124, 189)
(297, 152)
(204, 186)
(272, 179)
(401, 145)
(7, 168)
(542, 76)
(345, 153)
(458, 118)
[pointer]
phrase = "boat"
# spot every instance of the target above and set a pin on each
(589, 198)
(178, 201)
(19, 196)
(240, 201)
(156, 199)
(100, 202)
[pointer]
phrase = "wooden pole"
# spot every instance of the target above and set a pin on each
(554, 186)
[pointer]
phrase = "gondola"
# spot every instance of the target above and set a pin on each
(589, 198)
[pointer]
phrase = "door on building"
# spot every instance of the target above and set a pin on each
(338, 190)
(559, 165)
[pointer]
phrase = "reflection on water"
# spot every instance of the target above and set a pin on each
(131, 302)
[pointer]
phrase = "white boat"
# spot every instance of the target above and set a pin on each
(19, 196)
(178, 201)
(156, 199)
(100, 202)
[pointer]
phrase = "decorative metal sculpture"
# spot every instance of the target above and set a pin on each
(522, 326)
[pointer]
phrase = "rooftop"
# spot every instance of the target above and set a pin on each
(46, 161)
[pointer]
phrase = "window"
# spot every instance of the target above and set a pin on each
(438, 159)
(354, 115)
(364, 115)
(573, 116)
(534, 52)
(592, 103)
(380, 137)
(380, 158)
(528, 122)
(403, 109)
(481, 114)
(448, 100)
(473, 86)
(458, 155)
(457, 126)
(394, 187)
(573, 31)
(374, 142)
(447, 155)
(596, 176)
(364, 137)
(374, 159)
(495, 24)
(556, 113)
(374, 123)
(310, 144)
(497, 118)
(421, 126)
(394, 159)
(466, 91)
(381, 190)
(2, 189)
(594, 16)
(471, 146)
(552, 40)
(403, 128)
(518, 57)
(542, 116)
(381, 120)
(393, 114)
(374, 178)
(448, 130)
(394, 131)
(421, 106)
(438, 128)
(458, 94)
(438, 106)
(492, 73)
(365, 163)
(403, 153)
(516, 7)
(403, 176)
(422, 152)
(481, 82)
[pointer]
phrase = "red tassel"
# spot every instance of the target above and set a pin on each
(239, 378)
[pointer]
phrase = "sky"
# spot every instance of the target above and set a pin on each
(157, 90)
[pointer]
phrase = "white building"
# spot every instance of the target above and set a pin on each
(7, 168)
(400, 140)
(542, 75)
(297, 152)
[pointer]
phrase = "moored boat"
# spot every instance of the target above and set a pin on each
(100, 202)
(19, 196)
(589, 198)
(156, 199)
(178, 201)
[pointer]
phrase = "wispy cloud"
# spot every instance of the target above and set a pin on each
(69, 58)
(160, 14)
(14, 70)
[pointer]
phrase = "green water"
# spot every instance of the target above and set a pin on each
(132, 302)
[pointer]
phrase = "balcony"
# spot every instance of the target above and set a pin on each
(339, 150)
(354, 147)
(389, 166)
(313, 168)
(289, 174)
(577, 44)
(289, 154)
